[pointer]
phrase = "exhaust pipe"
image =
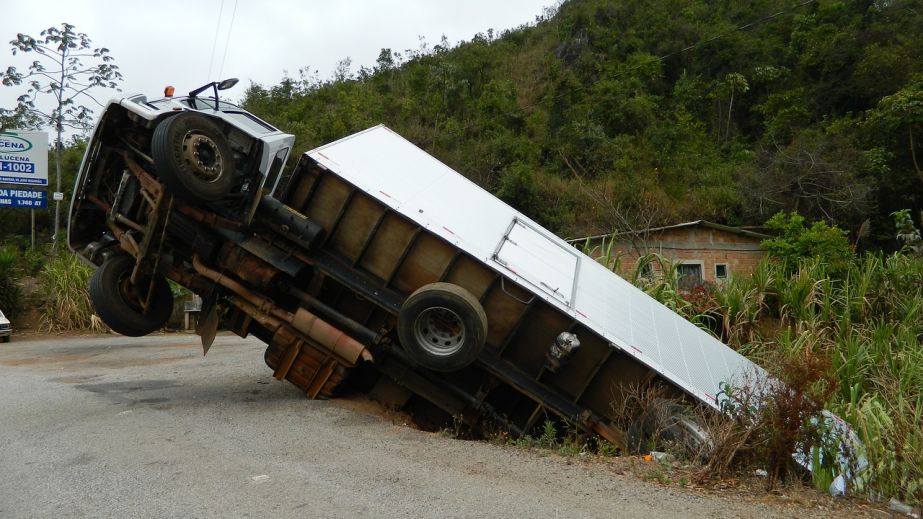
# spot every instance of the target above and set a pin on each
(308, 324)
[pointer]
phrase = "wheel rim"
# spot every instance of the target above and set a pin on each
(203, 154)
(439, 331)
(128, 293)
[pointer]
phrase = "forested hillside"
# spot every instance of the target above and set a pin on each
(599, 116)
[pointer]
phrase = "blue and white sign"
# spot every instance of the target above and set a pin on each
(25, 198)
(24, 158)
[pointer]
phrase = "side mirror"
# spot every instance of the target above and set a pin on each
(227, 83)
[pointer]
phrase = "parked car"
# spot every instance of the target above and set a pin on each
(6, 329)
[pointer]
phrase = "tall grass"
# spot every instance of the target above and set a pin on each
(860, 329)
(66, 304)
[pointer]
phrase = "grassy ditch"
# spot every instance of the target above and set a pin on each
(846, 339)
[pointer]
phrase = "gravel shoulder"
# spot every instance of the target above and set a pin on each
(108, 426)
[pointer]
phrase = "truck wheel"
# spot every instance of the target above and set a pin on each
(666, 420)
(118, 302)
(442, 327)
(193, 158)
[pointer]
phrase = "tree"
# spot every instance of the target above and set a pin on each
(796, 241)
(907, 233)
(60, 72)
(902, 112)
(20, 118)
(815, 174)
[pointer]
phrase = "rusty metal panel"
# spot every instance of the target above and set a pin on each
(473, 275)
(329, 198)
(314, 372)
(534, 336)
(387, 248)
(355, 226)
(299, 194)
(619, 375)
(575, 375)
(424, 264)
(504, 312)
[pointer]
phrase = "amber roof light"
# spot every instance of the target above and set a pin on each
(168, 91)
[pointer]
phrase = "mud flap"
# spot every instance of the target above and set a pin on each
(208, 324)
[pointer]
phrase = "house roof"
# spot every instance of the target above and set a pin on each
(696, 223)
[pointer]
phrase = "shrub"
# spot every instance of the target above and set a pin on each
(796, 241)
(907, 233)
(65, 300)
(765, 422)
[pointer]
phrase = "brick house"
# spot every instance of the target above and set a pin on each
(707, 252)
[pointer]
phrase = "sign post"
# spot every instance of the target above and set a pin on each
(24, 162)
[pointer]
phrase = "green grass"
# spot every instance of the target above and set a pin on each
(66, 303)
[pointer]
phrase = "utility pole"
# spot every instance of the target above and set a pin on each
(57, 203)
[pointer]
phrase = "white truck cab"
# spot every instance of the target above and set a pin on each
(224, 151)
(157, 177)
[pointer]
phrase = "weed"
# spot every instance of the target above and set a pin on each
(549, 437)
(66, 302)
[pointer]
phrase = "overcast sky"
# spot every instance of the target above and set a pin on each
(170, 42)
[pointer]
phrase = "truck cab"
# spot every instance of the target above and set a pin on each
(154, 172)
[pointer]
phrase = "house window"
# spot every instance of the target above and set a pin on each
(721, 272)
(690, 274)
(647, 271)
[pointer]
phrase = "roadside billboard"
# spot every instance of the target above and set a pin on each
(23, 198)
(24, 158)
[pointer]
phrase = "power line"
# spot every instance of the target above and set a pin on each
(227, 42)
(211, 60)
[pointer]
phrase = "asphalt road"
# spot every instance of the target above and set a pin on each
(115, 427)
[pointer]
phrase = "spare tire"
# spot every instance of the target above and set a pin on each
(119, 303)
(442, 327)
(193, 158)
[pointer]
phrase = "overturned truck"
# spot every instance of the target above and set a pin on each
(371, 261)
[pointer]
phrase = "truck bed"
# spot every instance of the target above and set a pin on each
(395, 219)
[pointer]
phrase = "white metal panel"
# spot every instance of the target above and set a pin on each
(539, 260)
(406, 178)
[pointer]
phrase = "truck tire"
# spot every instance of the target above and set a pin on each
(118, 304)
(667, 420)
(193, 158)
(442, 327)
